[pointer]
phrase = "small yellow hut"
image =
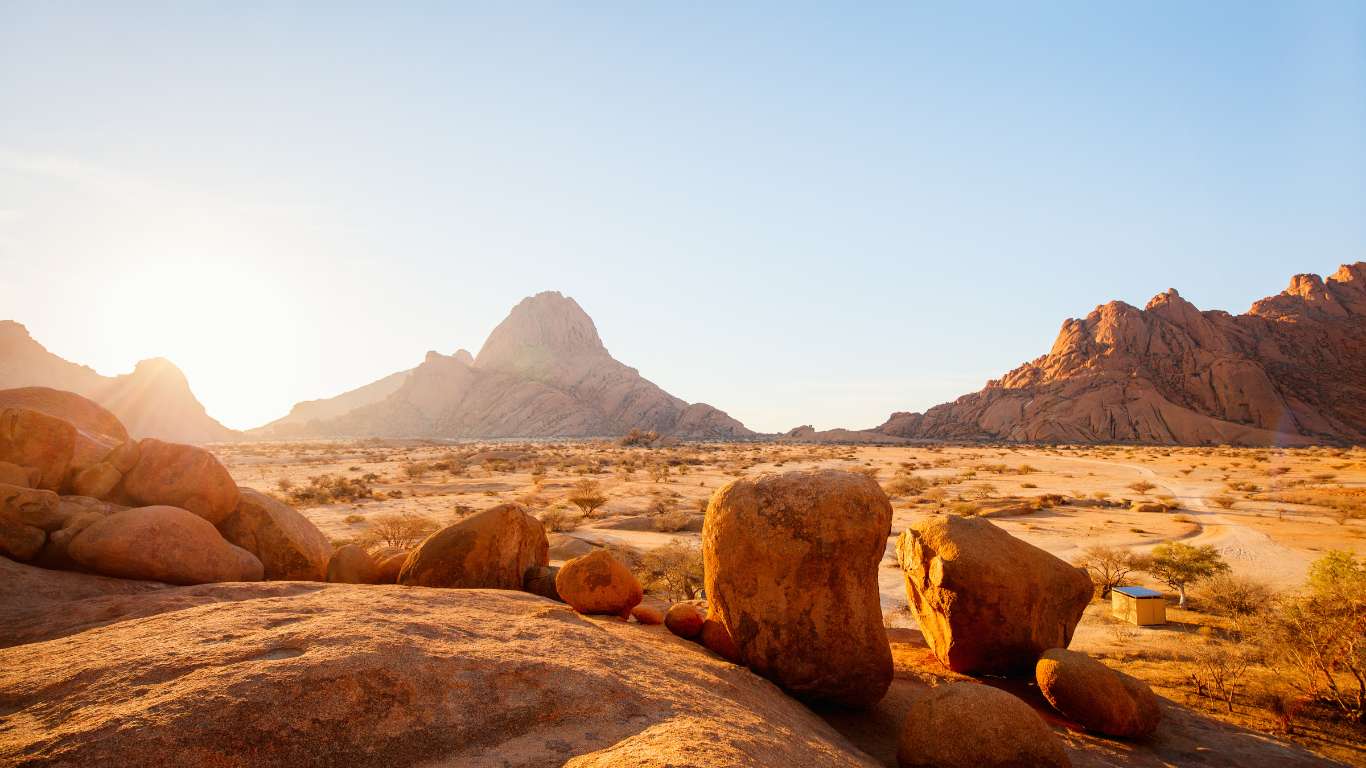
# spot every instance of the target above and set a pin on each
(1138, 605)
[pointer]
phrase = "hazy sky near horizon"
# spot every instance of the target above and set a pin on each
(797, 212)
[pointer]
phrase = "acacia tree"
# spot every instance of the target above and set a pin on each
(673, 569)
(587, 496)
(1179, 565)
(1109, 567)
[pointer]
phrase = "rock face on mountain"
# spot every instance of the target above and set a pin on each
(543, 372)
(1290, 371)
(153, 401)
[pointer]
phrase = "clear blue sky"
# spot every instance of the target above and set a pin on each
(795, 212)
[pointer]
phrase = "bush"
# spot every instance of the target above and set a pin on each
(639, 438)
(673, 570)
(556, 519)
(1316, 641)
(402, 530)
(1142, 486)
(672, 520)
(1228, 594)
(906, 485)
(1223, 502)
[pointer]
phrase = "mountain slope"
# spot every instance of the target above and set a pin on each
(153, 401)
(1290, 371)
(543, 372)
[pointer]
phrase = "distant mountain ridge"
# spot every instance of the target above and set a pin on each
(1290, 371)
(543, 372)
(153, 401)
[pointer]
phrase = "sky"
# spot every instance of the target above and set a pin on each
(799, 213)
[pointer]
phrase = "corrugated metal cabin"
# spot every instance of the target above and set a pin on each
(1138, 605)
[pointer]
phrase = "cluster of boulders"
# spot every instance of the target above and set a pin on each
(991, 604)
(791, 574)
(77, 493)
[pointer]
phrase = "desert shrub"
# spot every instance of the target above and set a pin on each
(659, 472)
(415, 470)
(1217, 670)
(964, 508)
(557, 519)
(400, 530)
(672, 520)
(640, 438)
(1229, 594)
(1223, 502)
(587, 496)
(1109, 567)
(1316, 640)
(284, 484)
(1142, 486)
(328, 489)
(673, 570)
(353, 519)
(905, 485)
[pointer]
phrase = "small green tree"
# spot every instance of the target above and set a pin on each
(1179, 565)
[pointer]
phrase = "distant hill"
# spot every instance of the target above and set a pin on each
(543, 372)
(153, 401)
(1290, 371)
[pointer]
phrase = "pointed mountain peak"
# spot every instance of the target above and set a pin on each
(545, 328)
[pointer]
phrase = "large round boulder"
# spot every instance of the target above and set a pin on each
(289, 546)
(184, 476)
(685, 620)
(352, 564)
(1096, 697)
(97, 430)
(490, 550)
(987, 602)
(971, 725)
(36, 440)
(598, 583)
(791, 571)
(162, 543)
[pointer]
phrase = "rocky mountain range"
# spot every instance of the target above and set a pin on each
(153, 401)
(543, 372)
(1290, 371)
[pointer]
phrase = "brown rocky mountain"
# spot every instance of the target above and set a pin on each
(153, 401)
(543, 372)
(1290, 371)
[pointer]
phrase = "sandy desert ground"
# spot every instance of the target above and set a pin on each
(1270, 513)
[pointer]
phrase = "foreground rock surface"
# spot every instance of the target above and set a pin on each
(492, 549)
(161, 543)
(988, 603)
(386, 676)
(791, 571)
(968, 725)
(1100, 699)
